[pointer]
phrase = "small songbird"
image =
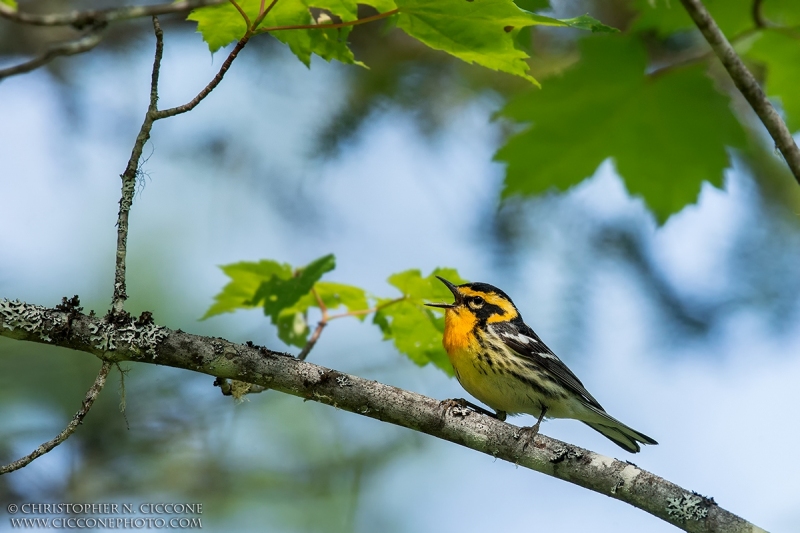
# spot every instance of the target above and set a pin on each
(501, 361)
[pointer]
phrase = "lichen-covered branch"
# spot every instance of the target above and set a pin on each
(69, 48)
(143, 341)
(81, 19)
(746, 83)
(88, 401)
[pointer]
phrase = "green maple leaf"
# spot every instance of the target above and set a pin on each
(667, 134)
(278, 293)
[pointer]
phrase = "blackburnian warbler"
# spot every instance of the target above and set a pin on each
(501, 361)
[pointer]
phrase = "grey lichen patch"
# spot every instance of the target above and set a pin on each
(217, 346)
(141, 338)
(34, 319)
(564, 453)
(688, 507)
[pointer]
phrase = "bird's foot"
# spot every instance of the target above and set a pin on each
(461, 407)
(528, 434)
(456, 406)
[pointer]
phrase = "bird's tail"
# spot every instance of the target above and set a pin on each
(622, 435)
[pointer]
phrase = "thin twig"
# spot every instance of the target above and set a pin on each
(327, 318)
(171, 112)
(312, 341)
(320, 303)
(88, 401)
(320, 326)
(379, 16)
(78, 46)
(700, 56)
(746, 84)
(262, 15)
(129, 177)
(375, 309)
(758, 16)
(80, 19)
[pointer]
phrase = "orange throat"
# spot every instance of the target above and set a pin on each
(458, 337)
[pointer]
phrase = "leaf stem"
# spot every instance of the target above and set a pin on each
(372, 18)
(327, 318)
(262, 14)
(375, 309)
(321, 304)
(242, 13)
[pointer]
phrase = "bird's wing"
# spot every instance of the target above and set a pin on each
(524, 341)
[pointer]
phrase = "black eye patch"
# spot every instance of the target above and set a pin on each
(476, 302)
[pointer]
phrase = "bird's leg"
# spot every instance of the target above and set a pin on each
(464, 404)
(533, 430)
(535, 427)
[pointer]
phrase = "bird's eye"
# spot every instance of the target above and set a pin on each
(476, 302)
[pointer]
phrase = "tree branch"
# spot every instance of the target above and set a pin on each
(69, 48)
(746, 84)
(142, 341)
(88, 401)
(80, 19)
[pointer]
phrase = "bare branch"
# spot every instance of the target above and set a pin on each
(80, 19)
(88, 401)
(144, 342)
(746, 84)
(78, 46)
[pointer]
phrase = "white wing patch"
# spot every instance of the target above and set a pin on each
(519, 337)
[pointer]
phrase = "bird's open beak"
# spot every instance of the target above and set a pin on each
(455, 292)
